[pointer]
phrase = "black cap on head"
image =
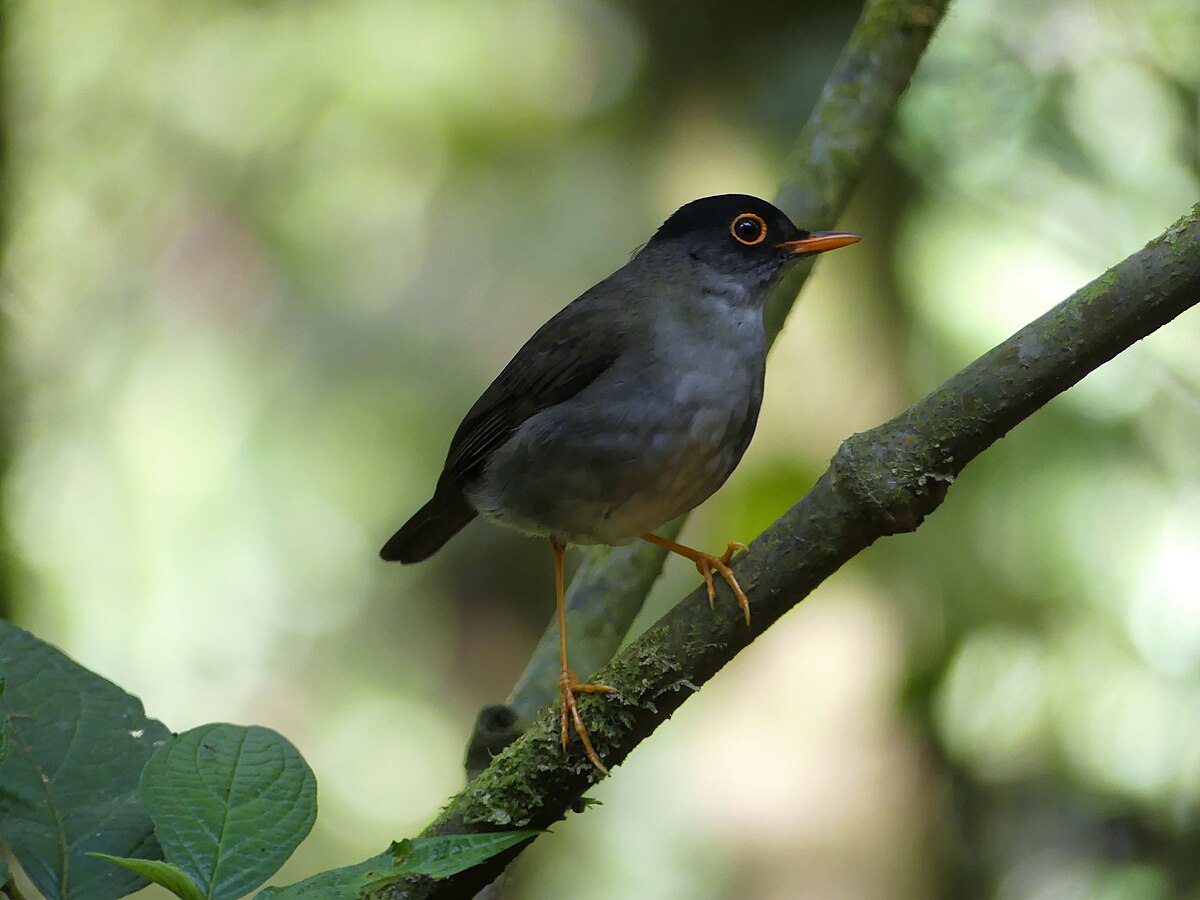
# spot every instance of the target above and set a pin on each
(741, 233)
(719, 211)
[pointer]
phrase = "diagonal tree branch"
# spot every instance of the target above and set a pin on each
(844, 129)
(881, 482)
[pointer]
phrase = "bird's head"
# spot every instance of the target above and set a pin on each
(741, 237)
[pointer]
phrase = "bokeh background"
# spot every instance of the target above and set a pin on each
(261, 256)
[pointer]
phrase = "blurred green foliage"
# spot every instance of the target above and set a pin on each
(263, 255)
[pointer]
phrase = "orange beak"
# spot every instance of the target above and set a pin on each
(820, 241)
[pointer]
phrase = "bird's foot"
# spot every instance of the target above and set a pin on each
(569, 687)
(706, 563)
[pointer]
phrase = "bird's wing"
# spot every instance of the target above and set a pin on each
(562, 358)
(565, 355)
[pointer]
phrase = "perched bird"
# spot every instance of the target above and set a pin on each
(631, 406)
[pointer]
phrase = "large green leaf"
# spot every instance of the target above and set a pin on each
(77, 745)
(229, 804)
(438, 857)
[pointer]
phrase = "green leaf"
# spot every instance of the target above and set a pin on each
(438, 857)
(441, 857)
(229, 804)
(77, 745)
(337, 884)
(171, 877)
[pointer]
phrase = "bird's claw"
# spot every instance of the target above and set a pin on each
(705, 563)
(569, 686)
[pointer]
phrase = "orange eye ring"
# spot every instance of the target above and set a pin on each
(752, 236)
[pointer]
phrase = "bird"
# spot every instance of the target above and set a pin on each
(628, 407)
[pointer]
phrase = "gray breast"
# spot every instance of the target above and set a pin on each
(651, 438)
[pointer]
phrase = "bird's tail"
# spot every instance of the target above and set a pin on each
(433, 524)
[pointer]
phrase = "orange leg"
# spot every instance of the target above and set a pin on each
(567, 682)
(705, 563)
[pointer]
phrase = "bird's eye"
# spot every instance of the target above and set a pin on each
(748, 229)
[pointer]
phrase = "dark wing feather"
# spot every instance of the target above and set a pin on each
(565, 355)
